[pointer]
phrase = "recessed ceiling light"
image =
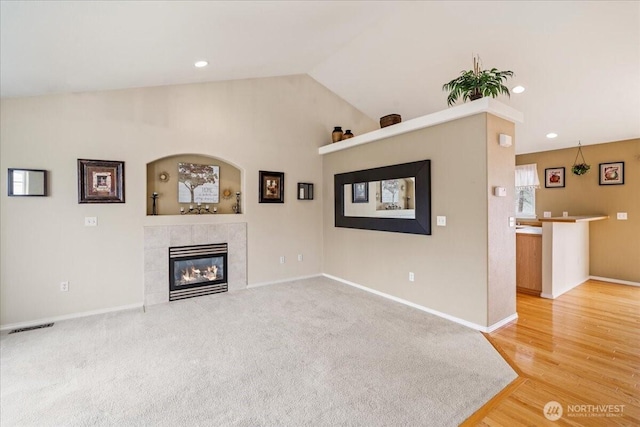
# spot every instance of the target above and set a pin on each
(200, 64)
(552, 135)
(518, 89)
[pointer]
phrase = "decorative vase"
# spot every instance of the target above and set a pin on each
(336, 135)
(347, 134)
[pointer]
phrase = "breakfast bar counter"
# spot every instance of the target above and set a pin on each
(565, 253)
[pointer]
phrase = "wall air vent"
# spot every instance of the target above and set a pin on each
(31, 328)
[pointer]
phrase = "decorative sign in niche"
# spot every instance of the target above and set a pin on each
(198, 183)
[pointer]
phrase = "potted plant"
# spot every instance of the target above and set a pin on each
(580, 168)
(476, 83)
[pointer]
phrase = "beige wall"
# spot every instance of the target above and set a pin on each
(452, 265)
(614, 245)
(270, 124)
(502, 242)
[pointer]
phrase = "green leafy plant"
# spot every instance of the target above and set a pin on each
(580, 169)
(476, 83)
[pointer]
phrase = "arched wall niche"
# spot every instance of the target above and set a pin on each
(167, 189)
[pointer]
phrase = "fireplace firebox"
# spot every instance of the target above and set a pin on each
(197, 270)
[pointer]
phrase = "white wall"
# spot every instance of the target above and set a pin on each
(270, 124)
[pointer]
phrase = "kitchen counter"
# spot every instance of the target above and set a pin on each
(582, 218)
(528, 230)
(565, 253)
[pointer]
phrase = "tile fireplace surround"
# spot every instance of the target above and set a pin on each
(158, 239)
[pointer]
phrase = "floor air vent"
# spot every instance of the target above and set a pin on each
(31, 328)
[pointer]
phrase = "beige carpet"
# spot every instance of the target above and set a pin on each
(312, 352)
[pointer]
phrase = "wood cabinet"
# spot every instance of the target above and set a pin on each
(529, 263)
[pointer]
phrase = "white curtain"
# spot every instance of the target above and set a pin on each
(527, 176)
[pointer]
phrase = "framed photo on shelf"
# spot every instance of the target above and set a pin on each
(360, 192)
(612, 173)
(271, 188)
(554, 178)
(100, 181)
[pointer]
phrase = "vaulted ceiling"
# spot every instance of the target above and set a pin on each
(578, 61)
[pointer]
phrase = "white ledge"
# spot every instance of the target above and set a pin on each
(482, 105)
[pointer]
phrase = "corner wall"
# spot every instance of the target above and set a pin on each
(269, 124)
(451, 266)
(614, 245)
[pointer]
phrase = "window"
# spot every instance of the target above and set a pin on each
(526, 202)
(526, 184)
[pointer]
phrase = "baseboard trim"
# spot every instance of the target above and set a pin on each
(69, 316)
(275, 282)
(501, 323)
(616, 281)
(462, 322)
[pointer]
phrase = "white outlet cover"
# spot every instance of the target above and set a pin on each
(441, 221)
(547, 214)
(565, 214)
(90, 221)
(621, 215)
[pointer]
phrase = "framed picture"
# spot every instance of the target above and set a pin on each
(360, 192)
(198, 183)
(100, 181)
(554, 178)
(390, 189)
(612, 173)
(271, 187)
(305, 191)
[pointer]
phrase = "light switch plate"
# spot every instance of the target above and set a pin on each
(512, 221)
(621, 215)
(441, 221)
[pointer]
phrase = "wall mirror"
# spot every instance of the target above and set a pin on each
(27, 182)
(391, 198)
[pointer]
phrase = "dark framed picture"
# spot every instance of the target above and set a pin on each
(305, 191)
(360, 192)
(612, 173)
(554, 178)
(271, 187)
(100, 181)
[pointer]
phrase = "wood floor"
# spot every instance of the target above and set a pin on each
(580, 349)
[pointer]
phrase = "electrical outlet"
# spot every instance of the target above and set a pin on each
(441, 221)
(621, 215)
(64, 286)
(565, 214)
(282, 259)
(90, 221)
(412, 277)
(547, 214)
(299, 257)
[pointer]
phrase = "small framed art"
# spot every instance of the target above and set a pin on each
(360, 192)
(305, 191)
(271, 187)
(554, 178)
(100, 181)
(612, 173)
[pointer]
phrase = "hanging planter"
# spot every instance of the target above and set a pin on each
(580, 168)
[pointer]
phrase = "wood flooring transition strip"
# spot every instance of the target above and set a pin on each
(481, 413)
